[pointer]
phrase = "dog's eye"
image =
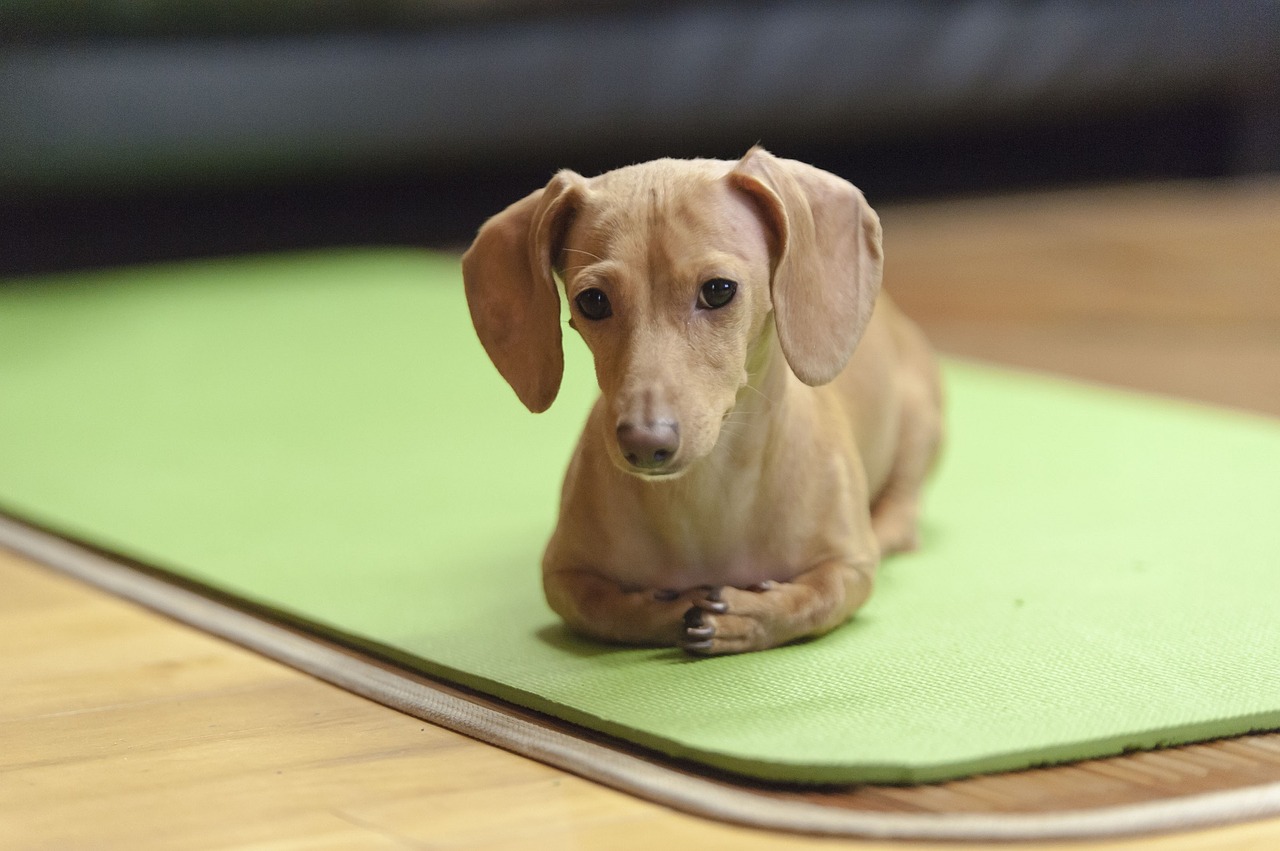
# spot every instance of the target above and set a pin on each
(594, 304)
(716, 292)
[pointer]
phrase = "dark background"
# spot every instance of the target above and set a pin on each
(141, 132)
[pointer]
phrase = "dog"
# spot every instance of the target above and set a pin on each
(766, 418)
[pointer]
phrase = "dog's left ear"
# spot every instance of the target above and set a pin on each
(827, 260)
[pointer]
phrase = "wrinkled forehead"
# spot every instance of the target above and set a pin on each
(666, 214)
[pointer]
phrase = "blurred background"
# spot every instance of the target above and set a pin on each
(142, 130)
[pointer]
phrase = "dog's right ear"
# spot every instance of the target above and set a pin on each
(515, 306)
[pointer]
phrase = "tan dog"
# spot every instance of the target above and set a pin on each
(744, 468)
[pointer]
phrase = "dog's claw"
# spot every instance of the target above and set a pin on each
(761, 587)
(697, 632)
(712, 601)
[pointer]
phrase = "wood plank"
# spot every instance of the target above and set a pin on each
(1173, 289)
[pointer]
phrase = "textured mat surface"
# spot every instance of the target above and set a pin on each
(322, 435)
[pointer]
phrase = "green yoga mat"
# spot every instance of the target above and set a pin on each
(322, 435)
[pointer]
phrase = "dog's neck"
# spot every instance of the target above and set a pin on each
(762, 402)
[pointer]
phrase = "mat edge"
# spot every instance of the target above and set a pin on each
(599, 763)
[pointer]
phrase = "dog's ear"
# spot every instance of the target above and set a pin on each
(827, 259)
(512, 293)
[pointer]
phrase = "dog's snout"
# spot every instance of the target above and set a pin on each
(648, 446)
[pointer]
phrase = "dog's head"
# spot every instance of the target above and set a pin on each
(676, 273)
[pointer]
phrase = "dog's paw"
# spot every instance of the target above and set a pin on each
(658, 614)
(730, 620)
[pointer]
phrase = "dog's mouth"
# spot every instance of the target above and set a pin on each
(672, 468)
(657, 475)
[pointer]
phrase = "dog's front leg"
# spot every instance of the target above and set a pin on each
(736, 620)
(601, 608)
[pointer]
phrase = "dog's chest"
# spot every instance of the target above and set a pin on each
(738, 536)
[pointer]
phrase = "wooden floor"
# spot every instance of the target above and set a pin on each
(120, 729)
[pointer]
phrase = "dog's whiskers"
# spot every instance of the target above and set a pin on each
(759, 393)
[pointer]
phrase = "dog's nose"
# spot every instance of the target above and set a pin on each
(648, 446)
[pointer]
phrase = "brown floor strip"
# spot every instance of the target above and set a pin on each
(1134, 778)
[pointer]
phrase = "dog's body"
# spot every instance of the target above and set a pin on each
(742, 472)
